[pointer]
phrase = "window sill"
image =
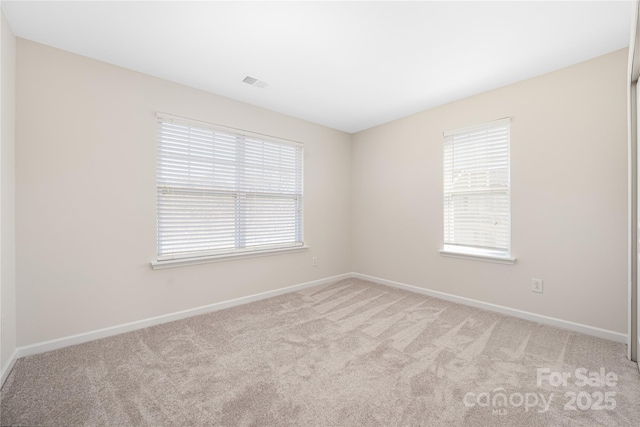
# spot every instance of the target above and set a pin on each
(478, 257)
(172, 263)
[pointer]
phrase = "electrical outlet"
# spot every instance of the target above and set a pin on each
(536, 285)
(314, 261)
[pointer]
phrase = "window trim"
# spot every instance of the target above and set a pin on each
(202, 257)
(480, 254)
(182, 262)
(497, 259)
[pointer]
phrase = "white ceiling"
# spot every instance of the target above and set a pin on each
(346, 65)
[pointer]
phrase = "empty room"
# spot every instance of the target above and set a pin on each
(319, 213)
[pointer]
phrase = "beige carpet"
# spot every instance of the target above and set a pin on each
(352, 353)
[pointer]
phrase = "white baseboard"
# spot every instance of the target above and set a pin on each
(145, 323)
(6, 369)
(128, 327)
(546, 320)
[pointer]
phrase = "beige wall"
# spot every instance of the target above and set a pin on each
(7, 193)
(569, 196)
(86, 203)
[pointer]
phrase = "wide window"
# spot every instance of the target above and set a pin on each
(477, 218)
(224, 192)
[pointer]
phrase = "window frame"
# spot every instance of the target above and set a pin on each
(176, 259)
(468, 251)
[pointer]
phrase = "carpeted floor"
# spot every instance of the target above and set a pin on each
(352, 353)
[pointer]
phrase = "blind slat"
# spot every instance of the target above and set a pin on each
(225, 192)
(476, 187)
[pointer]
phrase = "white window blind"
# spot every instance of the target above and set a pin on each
(222, 191)
(477, 190)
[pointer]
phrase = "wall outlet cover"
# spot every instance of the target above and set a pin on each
(537, 285)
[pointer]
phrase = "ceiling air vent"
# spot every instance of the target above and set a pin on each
(254, 82)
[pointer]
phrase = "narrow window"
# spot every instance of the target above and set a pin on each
(477, 207)
(225, 192)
